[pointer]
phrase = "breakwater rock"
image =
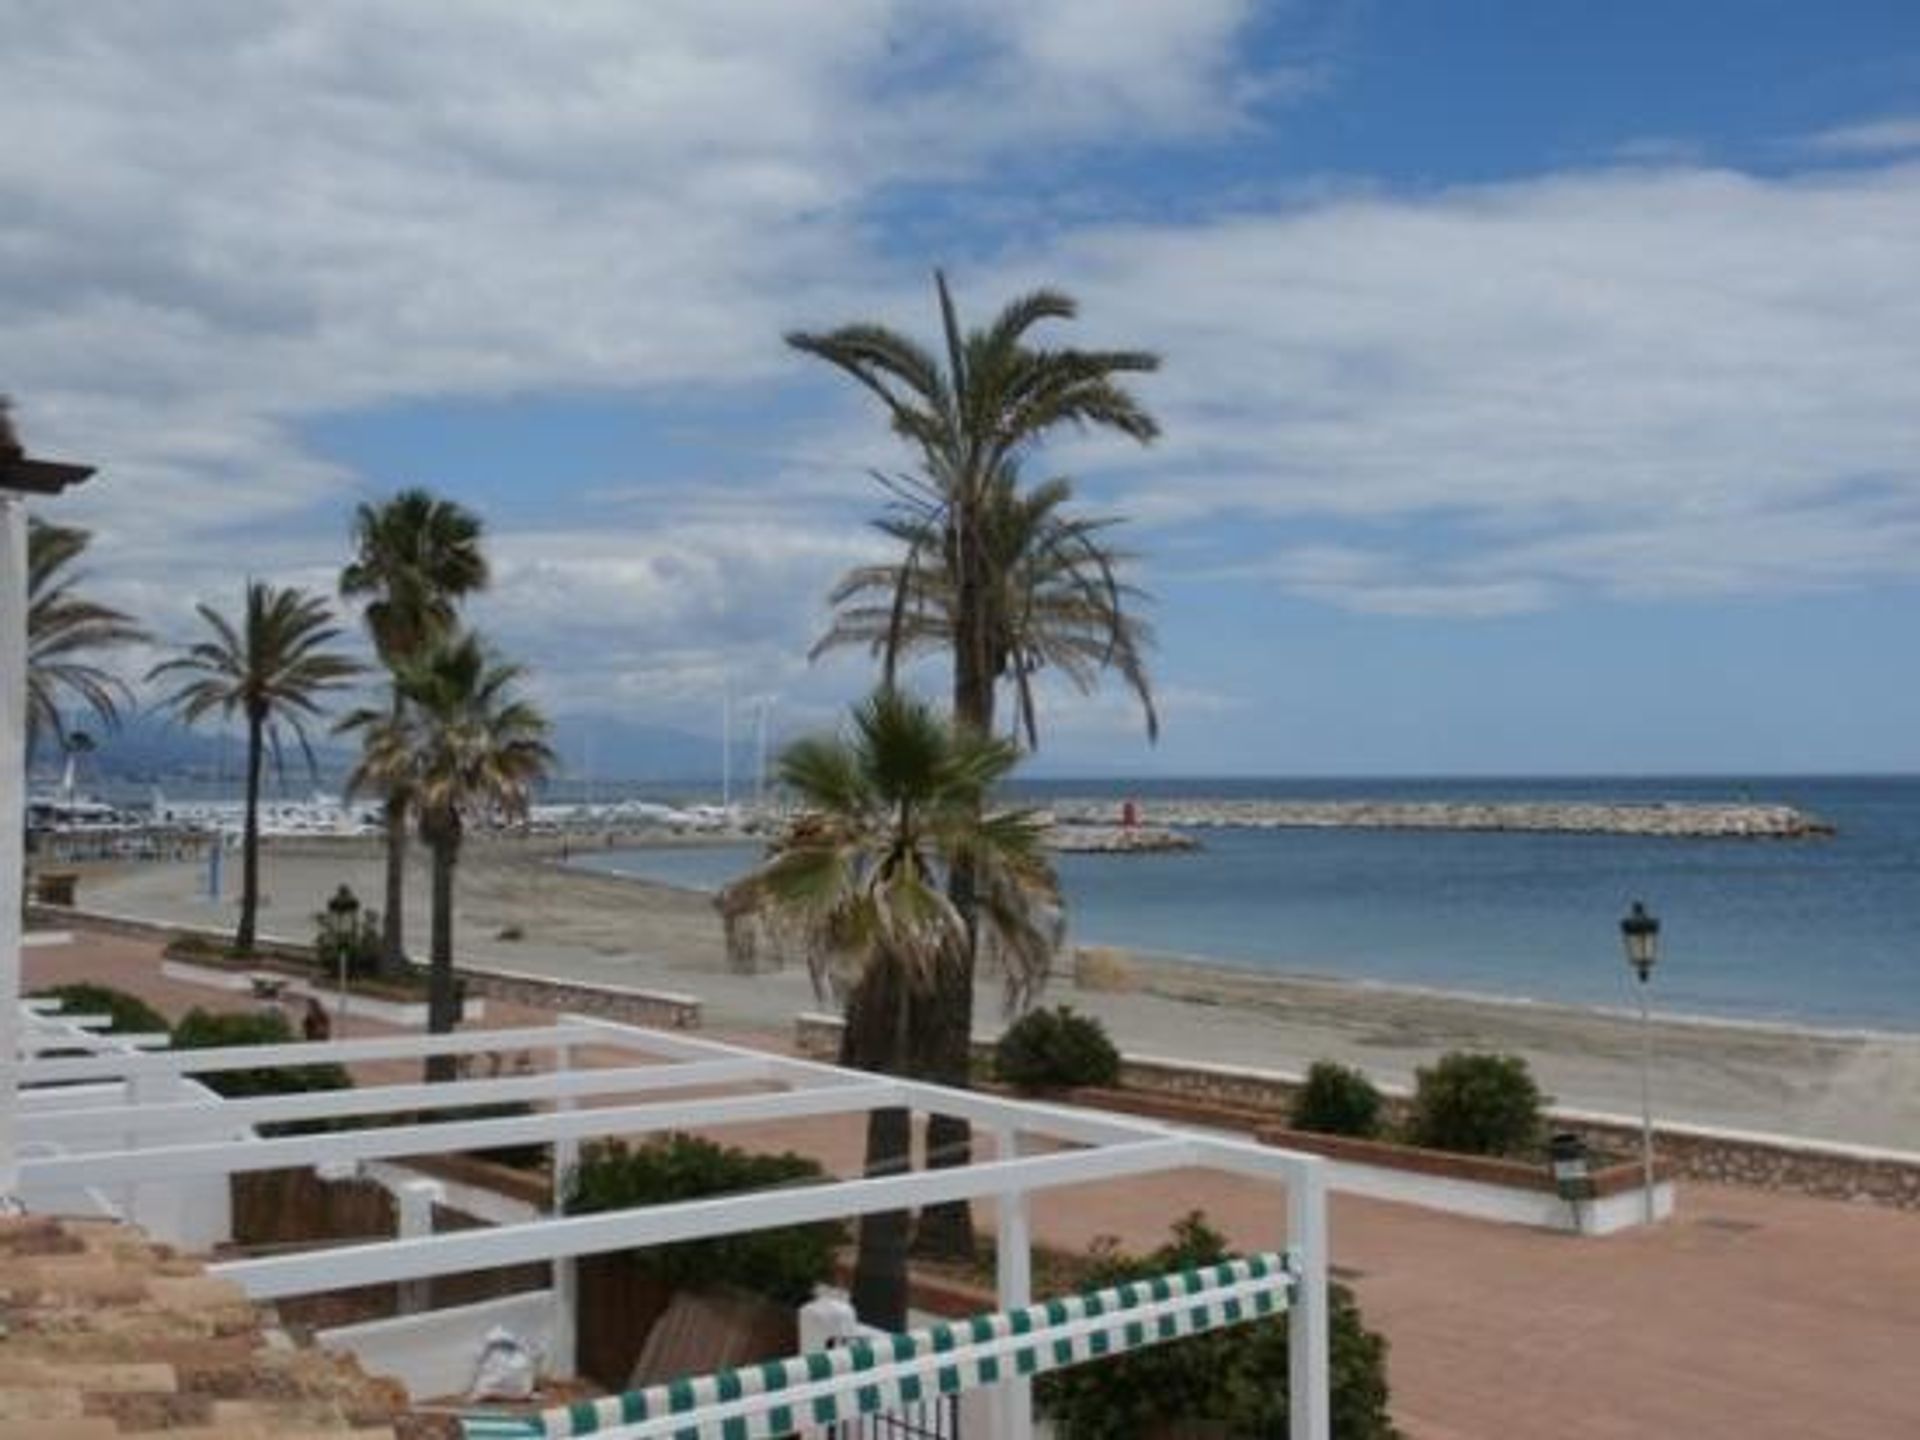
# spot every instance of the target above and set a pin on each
(1083, 838)
(1675, 819)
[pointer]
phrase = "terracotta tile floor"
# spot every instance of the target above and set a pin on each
(1750, 1316)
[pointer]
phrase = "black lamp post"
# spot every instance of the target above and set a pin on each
(343, 914)
(1640, 934)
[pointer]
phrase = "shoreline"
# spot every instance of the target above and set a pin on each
(1226, 972)
(1852, 1085)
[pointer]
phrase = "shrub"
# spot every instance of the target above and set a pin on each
(1054, 1049)
(1233, 1380)
(359, 943)
(130, 1015)
(784, 1264)
(1337, 1100)
(1476, 1104)
(206, 1030)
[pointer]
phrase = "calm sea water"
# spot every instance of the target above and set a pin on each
(1823, 932)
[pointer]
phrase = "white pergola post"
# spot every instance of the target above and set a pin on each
(565, 1358)
(1013, 1261)
(1309, 1356)
(13, 818)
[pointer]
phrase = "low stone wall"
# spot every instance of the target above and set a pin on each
(1782, 1163)
(658, 1009)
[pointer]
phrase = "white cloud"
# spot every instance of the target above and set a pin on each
(1643, 382)
(1874, 137)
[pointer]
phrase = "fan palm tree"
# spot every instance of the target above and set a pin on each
(969, 419)
(415, 558)
(857, 883)
(465, 747)
(271, 670)
(1056, 599)
(65, 630)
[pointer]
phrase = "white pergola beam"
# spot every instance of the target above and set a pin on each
(229, 1157)
(130, 1120)
(343, 1267)
(344, 1052)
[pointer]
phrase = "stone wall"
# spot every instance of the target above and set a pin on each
(1689, 1152)
(661, 1009)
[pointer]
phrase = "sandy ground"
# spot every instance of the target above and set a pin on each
(1860, 1088)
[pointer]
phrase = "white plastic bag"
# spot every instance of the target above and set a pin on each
(508, 1368)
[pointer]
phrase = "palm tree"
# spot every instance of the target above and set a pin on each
(858, 881)
(1056, 600)
(969, 422)
(271, 670)
(416, 557)
(65, 629)
(465, 747)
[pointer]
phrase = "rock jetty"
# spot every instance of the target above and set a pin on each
(1674, 819)
(1080, 837)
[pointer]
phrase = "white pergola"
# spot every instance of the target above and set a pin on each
(642, 1082)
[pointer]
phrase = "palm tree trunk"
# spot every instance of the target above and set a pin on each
(393, 944)
(393, 920)
(443, 1006)
(943, 1016)
(243, 940)
(875, 1038)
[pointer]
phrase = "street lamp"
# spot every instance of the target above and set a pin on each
(343, 913)
(20, 476)
(1640, 934)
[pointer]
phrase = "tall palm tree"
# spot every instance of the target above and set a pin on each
(858, 882)
(415, 558)
(465, 747)
(271, 670)
(969, 419)
(65, 630)
(1056, 598)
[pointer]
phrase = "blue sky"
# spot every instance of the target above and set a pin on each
(1542, 386)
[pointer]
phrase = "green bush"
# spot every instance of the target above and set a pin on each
(206, 1030)
(130, 1014)
(1476, 1104)
(359, 943)
(1337, 1100)
(1232, 1380)
(784, 1264)
(1055, 1049)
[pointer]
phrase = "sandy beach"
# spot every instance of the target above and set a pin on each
(1861, 1088)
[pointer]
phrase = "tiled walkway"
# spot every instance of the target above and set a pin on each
(1749, 1317)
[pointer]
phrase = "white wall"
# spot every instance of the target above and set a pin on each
(1482, 1201)
(194, 1213)
(434, 1353)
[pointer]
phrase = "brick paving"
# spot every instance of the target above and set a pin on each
(1751, 1316)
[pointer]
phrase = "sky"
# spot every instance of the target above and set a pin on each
(1541, 385)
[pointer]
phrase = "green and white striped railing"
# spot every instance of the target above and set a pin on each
(879, 1373)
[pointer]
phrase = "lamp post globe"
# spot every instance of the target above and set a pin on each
(1640, 933)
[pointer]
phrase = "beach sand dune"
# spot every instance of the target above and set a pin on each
(1859, 1088)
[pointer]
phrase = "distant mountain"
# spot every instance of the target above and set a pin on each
(151, 749)
(605, 747)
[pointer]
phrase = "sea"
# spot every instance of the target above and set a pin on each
(1819, 932)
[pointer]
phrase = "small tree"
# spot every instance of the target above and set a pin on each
(1476, 1104)
(1231, 1381)
(208, 1030)
(1056, 1050)
(1337, 1100)
(784, 1264)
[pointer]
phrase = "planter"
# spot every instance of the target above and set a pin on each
(239, 979)
(1515, 1192)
